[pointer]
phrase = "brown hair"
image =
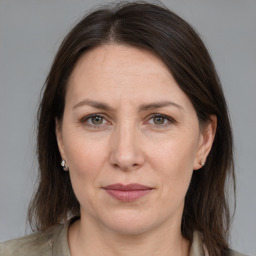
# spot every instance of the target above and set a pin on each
(162, 32)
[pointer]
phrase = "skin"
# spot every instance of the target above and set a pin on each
(127, 144)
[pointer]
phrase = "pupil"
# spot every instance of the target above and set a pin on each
(97, 120)
(159, 120)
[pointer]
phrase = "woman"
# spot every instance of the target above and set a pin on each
(134, 142)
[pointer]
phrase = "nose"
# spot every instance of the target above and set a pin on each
(126, 150)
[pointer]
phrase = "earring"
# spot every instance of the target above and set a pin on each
(201, 163)
(63, 164)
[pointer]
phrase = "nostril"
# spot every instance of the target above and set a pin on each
(126, 158)
(126, 168)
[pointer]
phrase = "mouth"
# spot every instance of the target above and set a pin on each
(127, 193)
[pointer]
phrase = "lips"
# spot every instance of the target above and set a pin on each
(127, 193)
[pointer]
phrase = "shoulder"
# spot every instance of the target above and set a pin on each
(199, 248)
(37, 244)
(235, 253)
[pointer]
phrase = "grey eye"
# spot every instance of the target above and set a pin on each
(97, 120)
(159, 120)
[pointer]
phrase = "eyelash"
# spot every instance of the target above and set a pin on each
(170, 120)
(85, 119)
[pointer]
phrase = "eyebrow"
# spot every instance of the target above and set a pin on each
(94, 104)
(160, 104)
(143, 107)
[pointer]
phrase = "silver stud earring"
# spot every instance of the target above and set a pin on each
(201, 163)
(63, 164)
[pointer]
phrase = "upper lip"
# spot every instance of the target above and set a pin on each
(128, 187)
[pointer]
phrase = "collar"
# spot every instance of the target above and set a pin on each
(61, 247)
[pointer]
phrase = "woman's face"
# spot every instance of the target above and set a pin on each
(126, 122)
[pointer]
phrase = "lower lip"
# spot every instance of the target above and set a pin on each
(129, 195)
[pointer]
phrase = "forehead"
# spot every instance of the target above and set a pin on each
(115, 59)
(111, 72)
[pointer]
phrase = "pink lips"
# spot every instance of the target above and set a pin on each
(127, 193)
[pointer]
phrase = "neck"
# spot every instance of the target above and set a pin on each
(85, 239)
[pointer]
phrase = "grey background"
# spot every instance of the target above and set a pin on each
(30, 33)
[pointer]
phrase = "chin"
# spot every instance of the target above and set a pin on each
(129, 223)
(129, 229)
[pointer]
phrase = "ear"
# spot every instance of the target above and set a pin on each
(59, 137)
(205, 142)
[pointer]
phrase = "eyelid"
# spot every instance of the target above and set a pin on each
(84, 119)
(170, 119)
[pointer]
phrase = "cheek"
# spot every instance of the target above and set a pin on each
(174, 161)
(82, 152)
(85, 167)
(176, 153)
(85, 159)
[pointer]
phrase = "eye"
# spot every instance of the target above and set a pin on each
(160, 120)
(94, 120)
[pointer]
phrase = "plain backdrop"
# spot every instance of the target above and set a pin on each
(30, 33)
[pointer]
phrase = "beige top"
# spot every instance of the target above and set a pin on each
(54, 242)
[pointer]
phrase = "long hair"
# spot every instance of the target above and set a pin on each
(174, 41)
